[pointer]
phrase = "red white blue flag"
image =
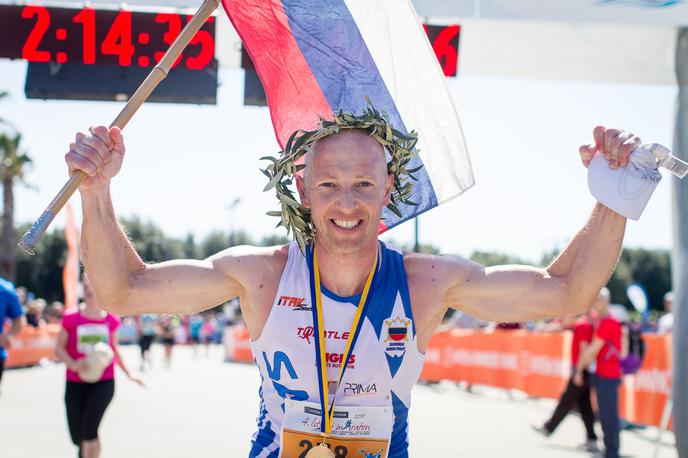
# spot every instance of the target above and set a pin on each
(315, 57)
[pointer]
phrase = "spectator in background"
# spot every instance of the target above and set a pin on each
(577, 395)
(10, 309)
(666, 322)
(52, 314)
(607, 350)
(22, 295)
(34, 312)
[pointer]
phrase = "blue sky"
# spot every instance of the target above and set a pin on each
(185, 164)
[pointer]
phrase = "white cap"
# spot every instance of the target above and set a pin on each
(97, 360)
(627, 190)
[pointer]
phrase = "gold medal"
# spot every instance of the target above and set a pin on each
(320, 451)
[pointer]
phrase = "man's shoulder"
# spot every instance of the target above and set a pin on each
(421, 266)
(248, 253)
(246, 262)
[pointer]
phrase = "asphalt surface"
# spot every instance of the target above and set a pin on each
(201, 406)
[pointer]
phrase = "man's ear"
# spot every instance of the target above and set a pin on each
(389, 186)
(301, 188)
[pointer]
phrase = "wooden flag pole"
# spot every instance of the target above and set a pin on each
(30, 239)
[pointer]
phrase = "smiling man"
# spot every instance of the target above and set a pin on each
(372, 308)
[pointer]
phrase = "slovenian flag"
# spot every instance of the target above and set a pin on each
(315, 57)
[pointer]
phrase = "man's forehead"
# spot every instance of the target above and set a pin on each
(352, 140)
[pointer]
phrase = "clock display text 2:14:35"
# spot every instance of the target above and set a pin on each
(124, 38)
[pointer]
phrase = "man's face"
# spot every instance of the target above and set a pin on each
(346, 186)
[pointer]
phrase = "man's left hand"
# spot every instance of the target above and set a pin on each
(615, 145)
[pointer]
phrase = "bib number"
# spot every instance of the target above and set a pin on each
(357, 432)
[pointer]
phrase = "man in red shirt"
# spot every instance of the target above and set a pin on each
(574, 394)
(606, 346)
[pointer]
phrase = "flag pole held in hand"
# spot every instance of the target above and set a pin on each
(30, 239)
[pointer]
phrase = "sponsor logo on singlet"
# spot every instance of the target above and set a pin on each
(335, 360)
(359, 389)
(306, 333)
(295, 303)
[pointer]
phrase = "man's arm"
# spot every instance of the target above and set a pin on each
(569, 285)
(123, 283)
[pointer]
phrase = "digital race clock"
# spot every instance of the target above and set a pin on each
(87, 36)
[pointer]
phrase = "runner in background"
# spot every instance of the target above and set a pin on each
(147, 325)
(208, 331)
(167, 337)
(195, 325)
(86, 400)
(10, 309)
(577, 395)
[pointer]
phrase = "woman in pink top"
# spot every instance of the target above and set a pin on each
(86, 401)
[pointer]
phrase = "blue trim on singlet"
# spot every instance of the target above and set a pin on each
(265, 435)
(263, 412)
(355, 299)
(262, 439)
(398, 445)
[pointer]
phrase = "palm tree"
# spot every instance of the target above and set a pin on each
(13, 166)
(3, 94)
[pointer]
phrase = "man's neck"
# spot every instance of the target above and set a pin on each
(345, 274)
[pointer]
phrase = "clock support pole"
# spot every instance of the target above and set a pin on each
(30, 239)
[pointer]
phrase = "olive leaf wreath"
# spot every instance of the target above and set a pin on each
(280, 172)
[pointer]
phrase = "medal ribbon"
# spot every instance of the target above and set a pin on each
(318, 324)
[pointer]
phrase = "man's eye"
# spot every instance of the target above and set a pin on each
(365, 184)
(327, 184)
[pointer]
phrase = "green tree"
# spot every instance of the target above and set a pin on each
(274, 240)
(3, 94)
(488, 259)
(150, 241)
(13, 166)
(42, 274)
(190, 247)
(652, 270)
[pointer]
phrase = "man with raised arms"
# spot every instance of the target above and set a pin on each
(347, 320)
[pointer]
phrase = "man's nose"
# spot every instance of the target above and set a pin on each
(347, 199)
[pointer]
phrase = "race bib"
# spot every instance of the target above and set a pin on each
(87, 335)
(360, 432)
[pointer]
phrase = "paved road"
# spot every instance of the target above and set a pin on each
(202, 407)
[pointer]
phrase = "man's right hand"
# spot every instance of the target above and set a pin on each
(99, 153)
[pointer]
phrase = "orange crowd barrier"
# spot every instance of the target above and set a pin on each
(537, 363)
(241, 350)
(32, 345)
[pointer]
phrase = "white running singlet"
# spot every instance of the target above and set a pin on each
(384, 365)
